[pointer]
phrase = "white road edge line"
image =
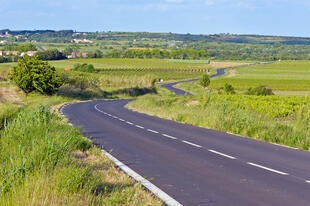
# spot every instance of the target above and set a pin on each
(190, 143)
(307, 181)
(266, 168)
(222, 154)
(129, 123)
(152, 131)
(121, 120)
(284, 146)
(139, 126)
(165, 135)
(147, 184)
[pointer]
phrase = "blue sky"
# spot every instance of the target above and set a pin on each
(271, 17)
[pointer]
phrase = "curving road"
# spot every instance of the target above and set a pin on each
(170, 86)
(196, 166)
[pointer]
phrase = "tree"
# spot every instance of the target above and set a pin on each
(205, 81)
(52, 54)
(32, 74)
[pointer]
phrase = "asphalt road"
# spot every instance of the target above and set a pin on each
(194, 165)
(177, 91)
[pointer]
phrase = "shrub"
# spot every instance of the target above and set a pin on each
(32, 74)
(205, 81)
(260, 91)
(84, 68)
(228, 89)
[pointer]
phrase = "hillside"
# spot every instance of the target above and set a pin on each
(66, 35)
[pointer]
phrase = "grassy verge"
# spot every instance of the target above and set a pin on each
(228, 113)
(46, 162)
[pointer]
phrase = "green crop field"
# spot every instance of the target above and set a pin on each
(168, 70)
(285, 75)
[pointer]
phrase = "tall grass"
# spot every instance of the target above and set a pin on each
(44, 161)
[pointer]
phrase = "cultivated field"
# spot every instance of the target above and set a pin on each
(283, 76)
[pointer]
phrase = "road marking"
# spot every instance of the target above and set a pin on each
(115, 117)
(129, 123)
(139, 126)
(307, 181)
(190, 143)
(222, 154)
(147, 184)
(152, 131)
(284, 146)
(266, 168)
(121, 120)
(165, 135)
(109, 115)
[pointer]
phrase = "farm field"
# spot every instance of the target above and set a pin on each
(168, 70)
(285, 75)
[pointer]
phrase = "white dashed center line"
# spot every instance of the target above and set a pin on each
(165, 135)
(193, 144)
(190, 143)
(152, 131)
(222, 154)
(139, 126)
(266, 168)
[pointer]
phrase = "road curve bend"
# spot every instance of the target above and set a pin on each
(170, 86)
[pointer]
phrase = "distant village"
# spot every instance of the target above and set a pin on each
(4, 40)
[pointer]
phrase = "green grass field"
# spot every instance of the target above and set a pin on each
(285, 75)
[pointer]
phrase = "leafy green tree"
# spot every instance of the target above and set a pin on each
(32, 74)
(205, 80)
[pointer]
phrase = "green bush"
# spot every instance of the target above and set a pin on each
(84, 68)
(260, 91)
(205, 81)
(228, 89)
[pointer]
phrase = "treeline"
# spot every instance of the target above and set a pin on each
(52, 54)
(158, 54)
(260, 52)
(19, 47)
